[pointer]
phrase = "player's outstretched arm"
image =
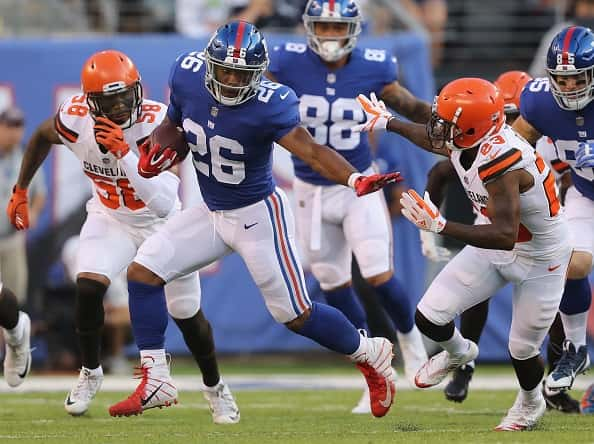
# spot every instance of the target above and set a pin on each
(403, 102)
(503, 209)
(44, 136)
(332, 165)
(380, 119)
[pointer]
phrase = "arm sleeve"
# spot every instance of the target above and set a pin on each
(158, 193)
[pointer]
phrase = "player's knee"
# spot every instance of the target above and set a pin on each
(580, 265)
(522, 350)
(329, 276)
(379, 279)
(297, 323)
(183, 306)
(139, 273)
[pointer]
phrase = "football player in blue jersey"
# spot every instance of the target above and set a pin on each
(327, 74)
(231, 116)
(560, 107)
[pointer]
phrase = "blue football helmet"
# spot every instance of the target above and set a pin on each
(332, 11)
(571, 54)
(236, 57)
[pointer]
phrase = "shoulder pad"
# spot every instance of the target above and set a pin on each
(496, 157)
(72, 117)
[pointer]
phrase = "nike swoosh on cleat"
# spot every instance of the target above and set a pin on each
(68, 401)
(149, 397)
(388, 401)
(22, 375)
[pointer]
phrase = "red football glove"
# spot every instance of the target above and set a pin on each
(18, 210)
(153, 161)
(111, 136)
(368, 184)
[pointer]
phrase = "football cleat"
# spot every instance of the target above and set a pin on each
(571, 364)
(413, 353)
(155, 389)
(363, 407)
(222, 404)
(437, 368)
(375, 362)
(560, 400)
(587, 403)
(79, 399)
(457, 388)
(523, 415)
(17, 358)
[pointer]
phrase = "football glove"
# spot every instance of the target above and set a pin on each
(584, 156)
(368, 184)
(153, 161)
(431, 250)
(110, 135)
(422, 212)
(18, 209)
(377, 114)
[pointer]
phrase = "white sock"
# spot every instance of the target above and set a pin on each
(154, 357)
(14, 335)
(359, 354)
(531, 396)
(456, 345)
(575, 326)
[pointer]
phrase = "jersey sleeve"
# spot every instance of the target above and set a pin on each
(491, 169)
(285, 115)
(529, 102)
(275, 62)
(174, 110)
(391, 69)
(68, 119)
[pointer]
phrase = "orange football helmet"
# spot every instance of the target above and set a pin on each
(511, 84)
(112, 85)
(465, 113)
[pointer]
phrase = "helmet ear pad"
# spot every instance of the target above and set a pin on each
(233, 74)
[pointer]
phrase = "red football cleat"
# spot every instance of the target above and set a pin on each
(156, 389)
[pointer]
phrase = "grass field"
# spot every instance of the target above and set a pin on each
(284, 417)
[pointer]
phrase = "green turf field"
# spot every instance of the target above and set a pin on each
(284, 417)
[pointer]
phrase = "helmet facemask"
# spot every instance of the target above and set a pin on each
(578, 98)
(442, 132)
(117, 102)
(246, 79)
(332, 48)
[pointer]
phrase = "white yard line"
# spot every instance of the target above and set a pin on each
(260, 382)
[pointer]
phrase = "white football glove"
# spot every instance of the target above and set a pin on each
(431, 250)
(376, 112)
(422, 212)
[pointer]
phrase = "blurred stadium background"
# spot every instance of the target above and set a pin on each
(43, 44)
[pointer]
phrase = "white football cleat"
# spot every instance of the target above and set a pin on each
(79, 399)
(222, 404)
(413, 353)
(17, 358)
(437, 368)
(523, 415)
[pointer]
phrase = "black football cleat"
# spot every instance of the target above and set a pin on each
(457, 388)
(560, 401)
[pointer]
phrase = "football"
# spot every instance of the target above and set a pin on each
(169, 136)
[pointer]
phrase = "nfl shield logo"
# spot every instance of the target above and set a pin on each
(214, 111)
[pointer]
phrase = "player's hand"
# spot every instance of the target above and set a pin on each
(431, 250)
(584, 156)
(110, 135)
(153, 161)
(377, 114)
(368, 184)
(422, 212)
(18, 209)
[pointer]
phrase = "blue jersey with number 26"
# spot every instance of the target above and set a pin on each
(327, 98)
(566, 128)
(231, 146)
